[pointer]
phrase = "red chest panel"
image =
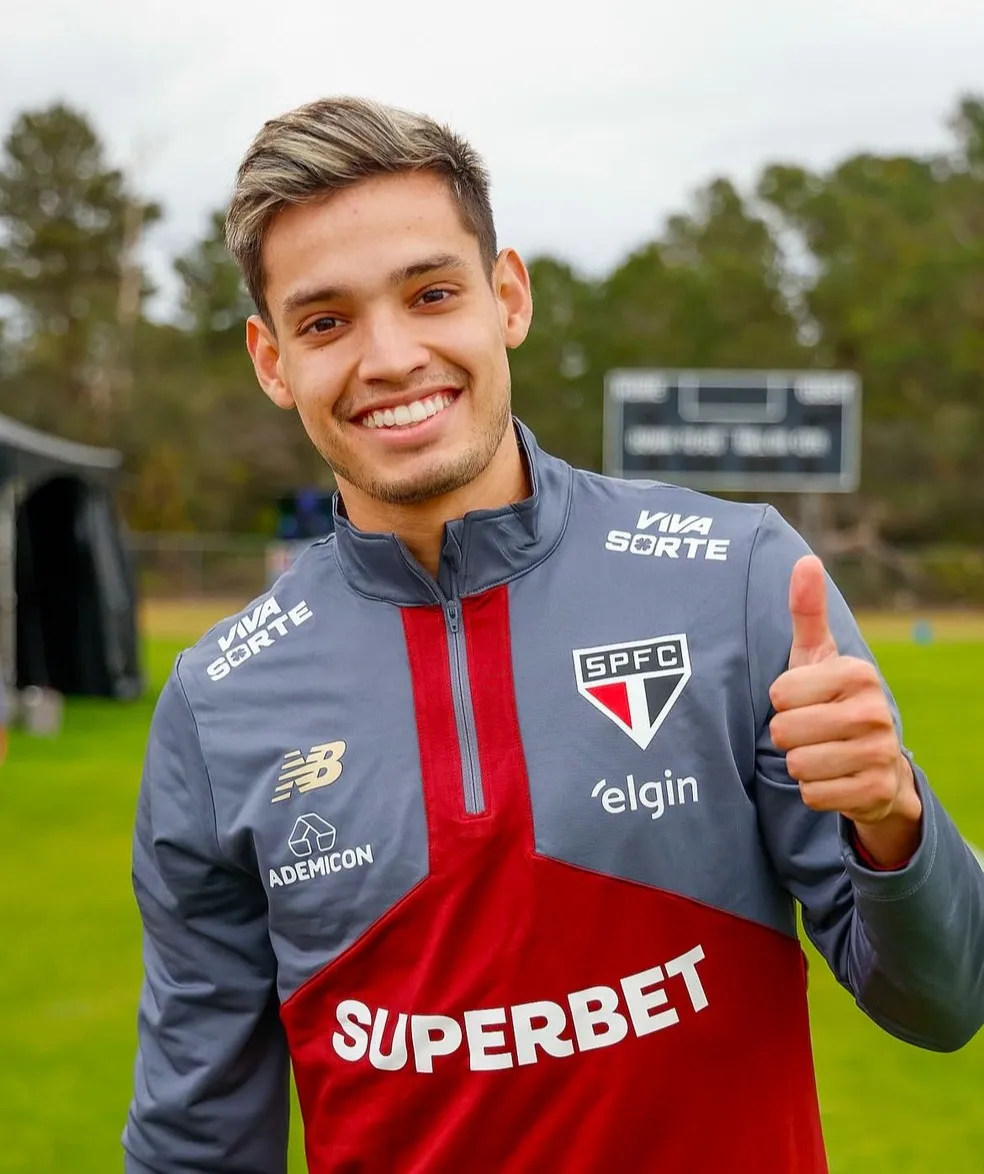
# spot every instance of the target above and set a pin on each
(515, 1013)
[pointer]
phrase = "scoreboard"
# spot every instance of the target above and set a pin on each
(795, 431)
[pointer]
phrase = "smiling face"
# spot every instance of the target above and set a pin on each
(390, 338)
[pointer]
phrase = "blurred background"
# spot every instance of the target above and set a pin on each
(759, 186)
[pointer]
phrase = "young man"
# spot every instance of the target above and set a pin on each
(494, 830)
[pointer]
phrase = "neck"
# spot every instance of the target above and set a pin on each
(421, 525)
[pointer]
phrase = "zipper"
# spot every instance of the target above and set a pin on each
(464, 713)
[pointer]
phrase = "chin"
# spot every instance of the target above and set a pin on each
(417, 490)
(437, 479)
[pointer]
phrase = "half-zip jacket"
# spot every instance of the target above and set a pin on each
(505, 864)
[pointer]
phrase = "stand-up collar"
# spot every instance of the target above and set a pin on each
(481, 550)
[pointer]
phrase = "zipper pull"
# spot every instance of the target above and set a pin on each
(452, 614)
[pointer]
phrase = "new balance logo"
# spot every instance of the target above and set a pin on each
(320, 767)
(635, 684)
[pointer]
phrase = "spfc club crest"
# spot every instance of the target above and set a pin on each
(634, 684)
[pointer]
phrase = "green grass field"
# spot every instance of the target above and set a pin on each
(70, 968)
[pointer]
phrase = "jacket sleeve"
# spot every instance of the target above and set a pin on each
(908, 944)
(211, 1081)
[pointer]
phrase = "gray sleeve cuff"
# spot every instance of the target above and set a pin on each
(895, 884)
(919, 952)
(132, 1165)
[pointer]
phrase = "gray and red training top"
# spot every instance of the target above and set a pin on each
(505, 863)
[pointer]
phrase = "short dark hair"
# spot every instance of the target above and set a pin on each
(333, 143)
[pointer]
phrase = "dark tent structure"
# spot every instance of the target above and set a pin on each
(67, 601)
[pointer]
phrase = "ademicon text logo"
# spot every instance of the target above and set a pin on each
(312, 843)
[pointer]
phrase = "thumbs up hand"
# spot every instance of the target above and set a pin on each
(834, 722)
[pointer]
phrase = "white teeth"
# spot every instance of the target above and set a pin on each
(404, 414)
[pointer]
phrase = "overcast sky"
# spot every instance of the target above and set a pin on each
(597, 119)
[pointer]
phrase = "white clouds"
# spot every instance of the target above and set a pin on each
(596, 119)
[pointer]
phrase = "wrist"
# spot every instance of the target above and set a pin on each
(891, 841)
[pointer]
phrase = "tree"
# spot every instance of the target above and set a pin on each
(209, 451)
(214, 301)
(894, 287)
(708, 292)
(555, 385)
(68, 225)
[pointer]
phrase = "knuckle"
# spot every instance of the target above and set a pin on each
(779, 731)
(853, 715)
(875, 710)
(878, 747)
(867, 710)
(811, 798)
(858, 673)
(886, 752)
(877, 789)
(819, 799)
(798, 763)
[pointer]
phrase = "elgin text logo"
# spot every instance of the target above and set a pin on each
(636, 684)
(663, 535)
(654, 796)
(256, 630)
(320, 767)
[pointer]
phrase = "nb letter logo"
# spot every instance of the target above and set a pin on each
(321, 767)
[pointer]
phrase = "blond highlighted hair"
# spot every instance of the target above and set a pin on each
(333, 143)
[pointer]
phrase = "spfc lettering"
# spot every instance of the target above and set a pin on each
(634, 684)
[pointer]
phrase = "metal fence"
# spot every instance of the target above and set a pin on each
(202, 566)
(241, 566)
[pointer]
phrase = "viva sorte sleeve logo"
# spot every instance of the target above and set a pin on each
(634, 684)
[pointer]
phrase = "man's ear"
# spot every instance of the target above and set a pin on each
(511, 286)
(261, 343)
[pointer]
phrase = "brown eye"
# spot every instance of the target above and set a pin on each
(433, 297)
(321, 326)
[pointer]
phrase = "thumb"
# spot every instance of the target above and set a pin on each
(812, 638)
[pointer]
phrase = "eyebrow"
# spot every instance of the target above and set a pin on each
(302, 298)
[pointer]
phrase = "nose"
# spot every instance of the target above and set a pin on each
(391, 349)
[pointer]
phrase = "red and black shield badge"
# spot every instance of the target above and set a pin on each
(634, 684)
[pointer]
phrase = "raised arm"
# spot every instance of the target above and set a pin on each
(907, 941)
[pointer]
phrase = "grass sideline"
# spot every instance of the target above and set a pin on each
(185, 620)
(71, 968)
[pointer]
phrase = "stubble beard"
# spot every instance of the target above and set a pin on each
(434, 482)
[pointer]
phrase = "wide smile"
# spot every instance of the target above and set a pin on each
(409, 425)
(405, 416)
